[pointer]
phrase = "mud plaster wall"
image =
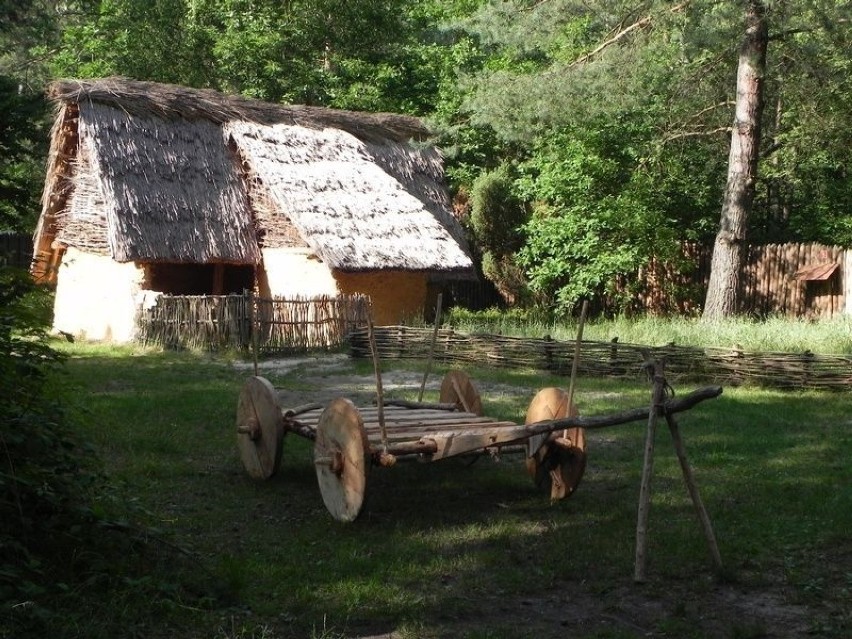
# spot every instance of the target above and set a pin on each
(397, 295)
(290, 272)
(96, 297)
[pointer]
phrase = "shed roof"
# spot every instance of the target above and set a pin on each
(816, 272)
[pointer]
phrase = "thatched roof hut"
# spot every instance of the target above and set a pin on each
(166, 188)
(159, 173)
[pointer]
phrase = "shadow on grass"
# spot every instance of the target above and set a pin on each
(453, 549)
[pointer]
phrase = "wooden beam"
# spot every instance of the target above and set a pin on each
(676, 405)
(692, 488)
(654, 411)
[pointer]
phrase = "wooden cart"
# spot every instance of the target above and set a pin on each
(349, 440)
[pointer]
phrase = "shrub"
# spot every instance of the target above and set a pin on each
(68, 556)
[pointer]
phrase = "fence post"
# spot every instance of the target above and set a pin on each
(807, 368)
(614, 370)
(252, 327)
(432, 346)
(548, 354)
(738, 356)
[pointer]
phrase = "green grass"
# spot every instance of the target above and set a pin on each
(453, 549)
(776, 334)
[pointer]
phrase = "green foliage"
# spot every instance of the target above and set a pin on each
(29, 28)
(639, 97)
(23, 144)
(63, 550)
(497, 214)
(667, 72)
(44, 484)
(597, 215)
(805, 189)
(25, 28)
(155, 40)
(507, 276)
(770, 335)
(531, 321)
(319, 52)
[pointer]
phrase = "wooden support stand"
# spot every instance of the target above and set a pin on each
(659, 407)
(692, 487)
(641, 563)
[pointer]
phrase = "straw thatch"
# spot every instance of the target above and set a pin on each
(355, 214)
(149, 172)
(168, 193)
(173, 102)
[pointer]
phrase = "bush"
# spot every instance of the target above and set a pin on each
(69, 559)
(46, 475)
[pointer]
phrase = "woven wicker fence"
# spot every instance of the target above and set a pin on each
(217, 322)
(609, 359)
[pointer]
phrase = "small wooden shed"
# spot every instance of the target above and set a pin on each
(155, 187)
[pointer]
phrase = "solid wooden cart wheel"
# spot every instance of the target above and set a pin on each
(260, 428)
(342, 459)
(559, 460)
(456, 388)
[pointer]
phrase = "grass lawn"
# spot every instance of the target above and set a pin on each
(459, 549)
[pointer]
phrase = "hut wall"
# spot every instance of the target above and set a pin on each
(96, 297)
(396, 295)
(294, 271)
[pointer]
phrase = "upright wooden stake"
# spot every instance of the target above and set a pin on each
(692, 487)
(432, 346)
(253, 327)
(379, 392)
(576, 363)
(639, 572)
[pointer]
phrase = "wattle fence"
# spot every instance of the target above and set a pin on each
(609, 359)
(268, 326)
(240, 322)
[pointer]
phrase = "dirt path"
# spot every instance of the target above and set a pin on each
(323, 378)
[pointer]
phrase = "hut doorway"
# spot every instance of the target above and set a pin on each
(198, 279)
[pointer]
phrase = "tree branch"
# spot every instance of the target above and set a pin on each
(620, 35)
(607, 43)
(726, 103)
(695, 133)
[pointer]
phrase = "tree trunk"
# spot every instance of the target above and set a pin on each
(729, 249)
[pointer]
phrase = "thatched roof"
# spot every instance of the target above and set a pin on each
(151, 172)
(173, 102)
(355, 214)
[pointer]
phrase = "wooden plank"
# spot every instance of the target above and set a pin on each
(399, 416)
(466, 442)
(400, 412)
(413, 421)
(437, 420)
(452, 431)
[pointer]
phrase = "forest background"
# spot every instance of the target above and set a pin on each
(582, 137)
